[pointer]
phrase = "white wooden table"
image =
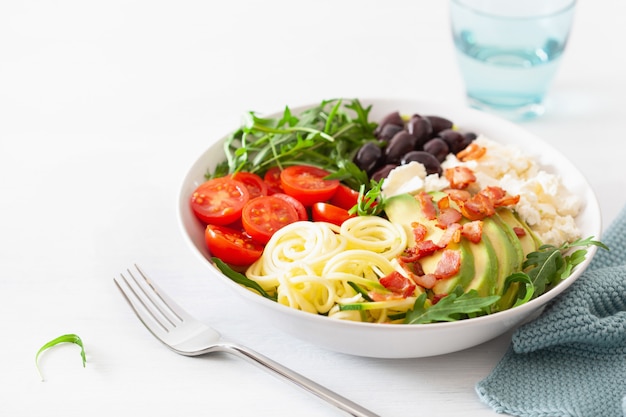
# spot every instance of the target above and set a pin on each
(104, 105)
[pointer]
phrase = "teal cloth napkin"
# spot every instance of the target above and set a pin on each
(571, 360)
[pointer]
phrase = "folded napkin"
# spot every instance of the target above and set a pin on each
(571, 360)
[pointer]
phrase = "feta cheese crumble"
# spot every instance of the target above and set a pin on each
(545, 204)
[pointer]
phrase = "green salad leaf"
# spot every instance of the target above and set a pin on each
(66, 338)
(241, 279)
(454, 306)
(549, 265)
(326, 136)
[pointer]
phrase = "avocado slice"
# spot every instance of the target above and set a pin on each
(485, 267)
(405, 209)
(510, 257)
(463, 278)
(530, 242)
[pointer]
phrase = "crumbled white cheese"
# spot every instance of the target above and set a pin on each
(407, 178)
(545, 204)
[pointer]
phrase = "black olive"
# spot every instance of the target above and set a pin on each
(368, 156)
(421, 128)
(383, 172)
(429, 161)
(402, 143)
(438, 148)
(439, 123)
(454, 139)
(393, 119)
(389, 131)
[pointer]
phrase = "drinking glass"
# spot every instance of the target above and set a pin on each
(509, 51)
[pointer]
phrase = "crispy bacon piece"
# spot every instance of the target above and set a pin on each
(458, 195)
(420, 250)
(416, 273)
(499, 197)
(460, 177)
(473, 231)
(473, 151)
(398, 284)
(419, 231)
(448, 265)
(426, 281)
(428, 207)
(447, 217)
(452, 234)
(519, 231)
(478, 207)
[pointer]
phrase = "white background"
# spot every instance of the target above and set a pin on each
(103, 107)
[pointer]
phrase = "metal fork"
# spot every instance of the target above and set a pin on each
(185, 335)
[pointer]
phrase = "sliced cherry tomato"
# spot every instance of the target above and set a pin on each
(263, 216)
(345, 197)
(232, 246)
(219, 200)
(255, 184)
(324, 212)
(272, 180)
(307, 184)
(300, 209)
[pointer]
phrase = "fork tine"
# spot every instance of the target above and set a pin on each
(153, 307)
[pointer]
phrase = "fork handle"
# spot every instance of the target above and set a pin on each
(303, 382)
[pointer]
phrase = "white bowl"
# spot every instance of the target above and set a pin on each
(398, 340)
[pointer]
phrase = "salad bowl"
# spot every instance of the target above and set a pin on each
(403, 340)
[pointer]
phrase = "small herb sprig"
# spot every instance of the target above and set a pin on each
(370, 202)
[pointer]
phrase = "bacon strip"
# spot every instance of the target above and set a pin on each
(398, 284)
(448, 265)
(460, 177)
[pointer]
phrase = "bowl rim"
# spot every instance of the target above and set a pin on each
(590, 203)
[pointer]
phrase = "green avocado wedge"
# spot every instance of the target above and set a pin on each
(485, 265)
(512, 260)
(529, 241)
(463, 278)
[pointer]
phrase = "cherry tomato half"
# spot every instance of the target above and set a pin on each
(300, 209)
(272, 180)
(219, 200)
(263, 216)
(345, 197)
(324, 212)
(255, 184)
(307, 184)
(232, 246)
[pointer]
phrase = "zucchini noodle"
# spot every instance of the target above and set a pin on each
(315, 267)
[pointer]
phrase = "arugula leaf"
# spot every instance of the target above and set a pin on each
(66, 338)
(549, 265)
(240, 278)
(326, 136)
(452, 307)
(526, 291)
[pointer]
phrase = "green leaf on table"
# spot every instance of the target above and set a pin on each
(66, 338)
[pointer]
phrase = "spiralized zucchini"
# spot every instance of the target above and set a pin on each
(314, 267)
